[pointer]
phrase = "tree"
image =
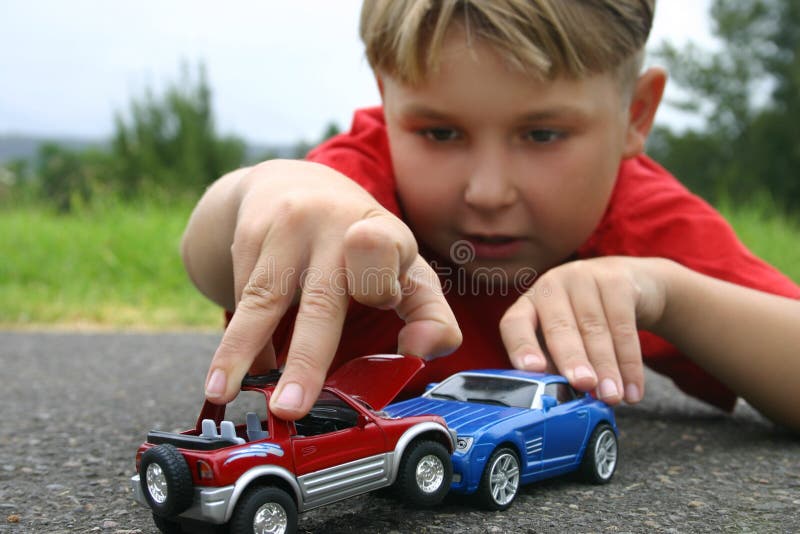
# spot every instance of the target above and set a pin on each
(749, 95)
(66, 177)
(170, 142)
(302, 148)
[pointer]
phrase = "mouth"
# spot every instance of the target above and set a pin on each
(492, 239)
(495, 246)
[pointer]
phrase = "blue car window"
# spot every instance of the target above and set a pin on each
(561, 392)
(488, 390)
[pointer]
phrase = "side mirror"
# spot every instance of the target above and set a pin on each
(548, 402)
(363, 420)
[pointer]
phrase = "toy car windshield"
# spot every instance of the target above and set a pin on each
(486, 389)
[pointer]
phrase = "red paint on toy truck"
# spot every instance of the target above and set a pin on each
(257, 474)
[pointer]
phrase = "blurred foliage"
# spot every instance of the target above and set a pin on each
(70, 178)
(164, 147)
(170, 142)
(748, 93)
(301, 149)
(59, 176)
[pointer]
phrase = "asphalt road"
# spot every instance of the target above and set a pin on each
(76, 406)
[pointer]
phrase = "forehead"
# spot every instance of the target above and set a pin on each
(500, 98)
(475, 78)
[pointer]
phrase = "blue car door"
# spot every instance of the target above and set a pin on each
(533, 438)
(566, 425)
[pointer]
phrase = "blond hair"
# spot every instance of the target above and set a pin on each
(544, 38)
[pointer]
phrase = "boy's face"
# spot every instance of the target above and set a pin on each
(521, 170)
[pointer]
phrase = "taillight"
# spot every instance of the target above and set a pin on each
(138, 459)
(204, 471)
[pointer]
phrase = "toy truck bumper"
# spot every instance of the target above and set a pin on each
(209, 505)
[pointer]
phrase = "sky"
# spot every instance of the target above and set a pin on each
(280, 70)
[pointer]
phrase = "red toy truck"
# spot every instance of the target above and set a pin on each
(256, 474)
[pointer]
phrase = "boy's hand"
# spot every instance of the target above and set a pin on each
(306, 232)
(587, 313)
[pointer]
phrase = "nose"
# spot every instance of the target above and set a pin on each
(490, 186)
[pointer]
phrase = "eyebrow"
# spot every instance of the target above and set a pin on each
(559, 112)
(425, 112)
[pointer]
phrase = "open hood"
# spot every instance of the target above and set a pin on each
(375, 379)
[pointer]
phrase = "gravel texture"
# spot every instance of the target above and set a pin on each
(76, 406)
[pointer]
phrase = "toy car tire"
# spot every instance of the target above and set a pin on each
(500, 480)
(600, 459)
(425, 473)
(265, 509)
(166, 480)
(165, 526)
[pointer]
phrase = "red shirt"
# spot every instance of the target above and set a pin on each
(650, 214)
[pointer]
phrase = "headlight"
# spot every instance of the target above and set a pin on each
(463, 443)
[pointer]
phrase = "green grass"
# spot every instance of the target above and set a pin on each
(112, 265)
(768, 234)
(118, 266)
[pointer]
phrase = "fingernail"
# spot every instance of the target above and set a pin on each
(632, 393)
(532, 361)
(290, 397)
(582, 372)
(607, 389)
(215, 387)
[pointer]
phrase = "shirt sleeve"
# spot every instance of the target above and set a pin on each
(652, 215)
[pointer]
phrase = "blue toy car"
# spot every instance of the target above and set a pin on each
(516, 427)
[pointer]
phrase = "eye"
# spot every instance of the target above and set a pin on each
(440, 134)
(543, 136)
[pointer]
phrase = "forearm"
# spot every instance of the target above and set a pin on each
(748, 339)
(206, 244)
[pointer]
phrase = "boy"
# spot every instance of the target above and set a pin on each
(513, 131)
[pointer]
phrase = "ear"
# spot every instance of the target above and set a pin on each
(646, 97)
(379, 81)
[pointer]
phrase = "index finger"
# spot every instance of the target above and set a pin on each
(317, 330)
(265, 299)
(518, 332)
(561, 333)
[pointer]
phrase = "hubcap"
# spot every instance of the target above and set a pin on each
(504, 478)
(270, 518)
(430, 473)
(156, 483)
(605, 454)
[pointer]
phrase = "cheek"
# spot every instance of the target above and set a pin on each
(571, 196)
(424, 200)
(592, 200)
(427, 189)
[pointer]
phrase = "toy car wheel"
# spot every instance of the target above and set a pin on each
(166, 526)
(600, 458)
(500, 481)
(265, 509)
(166, 480)
(425, 474)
